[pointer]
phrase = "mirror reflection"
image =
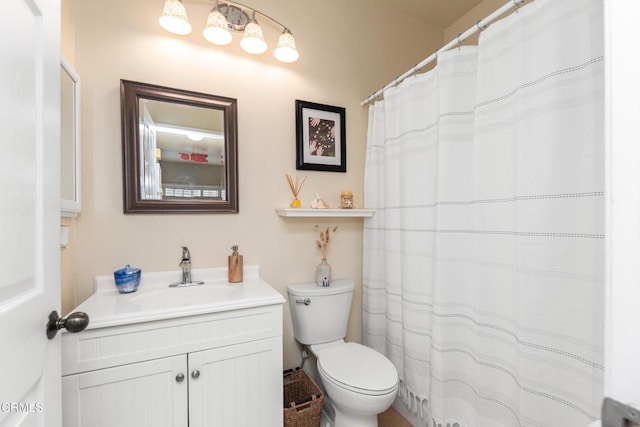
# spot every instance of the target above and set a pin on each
(179, 150)
(69, 141)
(182, 150)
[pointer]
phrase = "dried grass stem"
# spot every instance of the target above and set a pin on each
(325, 238)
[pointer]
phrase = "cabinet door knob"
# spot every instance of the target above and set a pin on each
(180, 378)
(195, 374)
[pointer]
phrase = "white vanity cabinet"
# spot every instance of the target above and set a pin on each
(219, 368)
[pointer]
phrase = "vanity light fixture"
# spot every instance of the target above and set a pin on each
(216, 30)
(286, 50)
(174, 18)
(227, 17)
(252, 39)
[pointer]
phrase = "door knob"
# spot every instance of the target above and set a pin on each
(195, 374)
(75, 322)
(180, 378)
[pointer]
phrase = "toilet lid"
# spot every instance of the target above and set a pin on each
(359, 368)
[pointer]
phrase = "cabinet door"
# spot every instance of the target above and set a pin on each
(144, 394)
(237, 386)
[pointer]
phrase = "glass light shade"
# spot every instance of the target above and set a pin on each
(253, 40)
(286, 50)
(174, 18)
(216, 31)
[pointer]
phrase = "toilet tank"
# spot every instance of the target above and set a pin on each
(325, 317)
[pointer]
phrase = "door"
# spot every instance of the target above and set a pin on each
(29, 212)
(237, 385)
(145, 394)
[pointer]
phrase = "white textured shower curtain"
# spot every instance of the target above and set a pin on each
(483, 265)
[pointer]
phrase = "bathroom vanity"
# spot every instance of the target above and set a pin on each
(208, 355)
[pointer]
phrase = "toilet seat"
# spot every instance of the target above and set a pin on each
(359, 369)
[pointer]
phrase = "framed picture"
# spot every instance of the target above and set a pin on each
(320, 137)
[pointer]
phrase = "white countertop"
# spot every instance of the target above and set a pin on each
(155, 300)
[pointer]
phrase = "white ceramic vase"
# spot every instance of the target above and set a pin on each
(323, 273)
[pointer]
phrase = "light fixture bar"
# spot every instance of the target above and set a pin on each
(257, 12)
(220, 22)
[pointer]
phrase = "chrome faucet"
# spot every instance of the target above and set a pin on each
(185, 263)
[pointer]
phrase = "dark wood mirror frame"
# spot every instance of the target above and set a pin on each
(130, 95)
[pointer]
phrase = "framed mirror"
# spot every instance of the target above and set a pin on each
(69, 141)
(179, 150)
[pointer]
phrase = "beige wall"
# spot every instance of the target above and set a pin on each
(67, 31)
(348, 50)
(467, 21)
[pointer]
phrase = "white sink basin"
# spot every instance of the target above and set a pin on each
(185, 296)
(155, 300)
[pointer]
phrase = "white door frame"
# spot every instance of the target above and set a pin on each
(622, 141)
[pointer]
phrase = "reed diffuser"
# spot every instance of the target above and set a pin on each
(295, 189)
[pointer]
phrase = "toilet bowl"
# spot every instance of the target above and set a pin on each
(359, 382)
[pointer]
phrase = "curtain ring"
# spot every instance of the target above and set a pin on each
(459, 42)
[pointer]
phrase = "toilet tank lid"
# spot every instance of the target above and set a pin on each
(311, 289)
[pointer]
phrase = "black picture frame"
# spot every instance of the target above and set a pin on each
(321, 143)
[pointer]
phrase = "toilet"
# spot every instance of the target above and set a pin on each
(359, 382)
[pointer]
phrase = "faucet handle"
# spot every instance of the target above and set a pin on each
(186, 255)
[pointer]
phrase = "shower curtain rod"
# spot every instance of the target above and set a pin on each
(480, 25)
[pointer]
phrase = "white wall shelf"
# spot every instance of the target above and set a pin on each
(325, 213)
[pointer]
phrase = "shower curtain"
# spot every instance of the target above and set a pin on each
(483, 264)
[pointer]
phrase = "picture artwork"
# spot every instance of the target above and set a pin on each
(320, 137)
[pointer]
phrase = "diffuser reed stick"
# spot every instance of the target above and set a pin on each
(295, 189)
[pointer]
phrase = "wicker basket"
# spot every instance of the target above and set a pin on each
(302, 400)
